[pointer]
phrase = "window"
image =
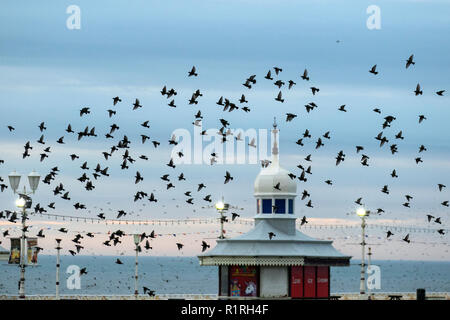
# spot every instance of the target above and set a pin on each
(291, 205)
(267, 206)
(280, 205)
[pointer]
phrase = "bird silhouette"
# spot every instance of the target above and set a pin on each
(192, 72)
(279, 97)
(151, 293)
(373, 70)
(268, 76)
(418, 91)
(406, 238)
(410, 61)
(290, 117)
(228, 177)
(204, 246)
(305, 75)
(303, 221)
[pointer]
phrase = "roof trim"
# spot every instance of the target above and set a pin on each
(250, 261)
(271, 194)
(293, 241)
(271, 261)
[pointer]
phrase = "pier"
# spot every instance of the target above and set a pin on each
(334, 296)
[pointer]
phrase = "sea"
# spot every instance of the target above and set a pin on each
(184, 275)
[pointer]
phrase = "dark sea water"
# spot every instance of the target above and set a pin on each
(184, 275)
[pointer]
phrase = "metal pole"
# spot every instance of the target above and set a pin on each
(221, 224)
(363, 243)
(58, 248)
(22, 257)
(136, 275)
(368, 266)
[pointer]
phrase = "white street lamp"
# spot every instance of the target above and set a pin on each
(14, 180)
(20, 203)
(221, 207)
(361, 212)
(33, 179)
(23, 203)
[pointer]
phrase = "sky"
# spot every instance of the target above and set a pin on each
(132, 49)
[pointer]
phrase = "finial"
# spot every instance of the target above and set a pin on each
(274, 137)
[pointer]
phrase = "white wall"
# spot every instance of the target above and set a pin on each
(274, 282)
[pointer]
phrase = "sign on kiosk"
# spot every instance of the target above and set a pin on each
(31, 251)
(244, 281)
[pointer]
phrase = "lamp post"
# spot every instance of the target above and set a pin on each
(137, 238)
(23, 202)
(362, 213)
(221, 207)
(369, 254)
(58, 248)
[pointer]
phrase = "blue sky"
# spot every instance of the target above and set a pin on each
(132, 49)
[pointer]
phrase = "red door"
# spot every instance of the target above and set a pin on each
(297, 282)
(310, 282)
(323, 282)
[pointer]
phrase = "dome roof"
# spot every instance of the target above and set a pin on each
(270, 176)
(273, 174)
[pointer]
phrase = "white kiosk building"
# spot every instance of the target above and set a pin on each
(290, 264)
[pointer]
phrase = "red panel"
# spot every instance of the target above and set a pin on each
(310, 282)
(322, 282)
(297, 282)
(243, 281)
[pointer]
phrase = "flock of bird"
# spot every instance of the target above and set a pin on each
(340, 157)
(99, 172)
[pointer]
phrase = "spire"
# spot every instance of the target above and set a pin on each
(275, 144)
